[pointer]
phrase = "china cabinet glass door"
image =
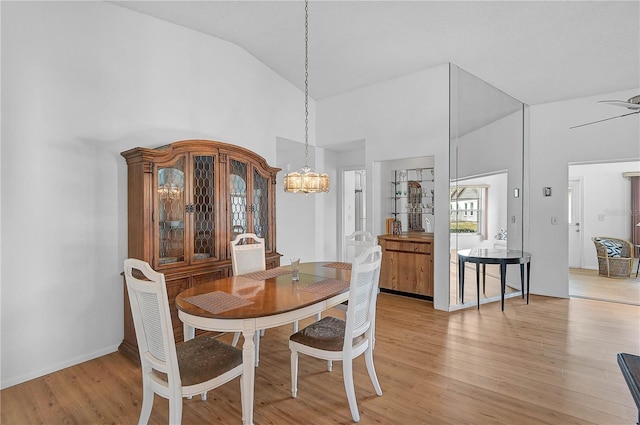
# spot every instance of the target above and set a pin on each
(238, 219)
(171, 213)
(203, 207)
(260, 207)
(249, 201)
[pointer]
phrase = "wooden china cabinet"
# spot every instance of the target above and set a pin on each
(186, 202)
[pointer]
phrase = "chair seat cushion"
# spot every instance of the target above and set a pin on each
(614, 249)
(204, 358)
(325, 334)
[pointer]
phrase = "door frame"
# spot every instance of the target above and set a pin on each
(341, 204)
(578, 188)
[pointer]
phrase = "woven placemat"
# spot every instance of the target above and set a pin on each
(325, 287)
(217, 302)
(268, 274)
(343, 266)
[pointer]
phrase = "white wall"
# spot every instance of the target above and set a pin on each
(307, 223)
(553, 146)
(606, 204)
(81, 82)
(400, 118)
(297, 216)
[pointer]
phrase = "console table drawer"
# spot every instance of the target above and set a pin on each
(403, 246)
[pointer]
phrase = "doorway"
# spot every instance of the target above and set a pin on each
(598, 204)
(354, 208)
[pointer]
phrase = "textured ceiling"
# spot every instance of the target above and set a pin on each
(537, 52)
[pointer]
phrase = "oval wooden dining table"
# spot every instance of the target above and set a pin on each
(261, 300)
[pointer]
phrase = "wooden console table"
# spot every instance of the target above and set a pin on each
(407, 264)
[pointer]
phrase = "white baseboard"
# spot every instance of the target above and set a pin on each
(6, 383)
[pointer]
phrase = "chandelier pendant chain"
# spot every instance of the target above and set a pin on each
(306, 82)
(306, 179)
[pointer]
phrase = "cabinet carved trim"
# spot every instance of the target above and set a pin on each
(185, 205)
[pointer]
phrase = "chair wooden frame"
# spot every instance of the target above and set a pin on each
(335, 339)
(173, 372)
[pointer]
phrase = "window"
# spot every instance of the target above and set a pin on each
(467, 209)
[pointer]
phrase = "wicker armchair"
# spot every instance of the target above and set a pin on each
(615, 256)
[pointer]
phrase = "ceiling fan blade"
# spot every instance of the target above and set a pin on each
(634, 106)
(606, 119)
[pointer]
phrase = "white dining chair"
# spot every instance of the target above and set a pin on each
(248, 256)
(335, 339)
(356, 243)
(169, 370)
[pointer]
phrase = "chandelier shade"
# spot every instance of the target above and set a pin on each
(306, 180)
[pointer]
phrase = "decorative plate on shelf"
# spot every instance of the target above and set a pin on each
(170, 176)
(167, 260)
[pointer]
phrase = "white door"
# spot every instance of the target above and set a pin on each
(575, 223)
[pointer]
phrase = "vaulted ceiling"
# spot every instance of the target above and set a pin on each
(535, 51)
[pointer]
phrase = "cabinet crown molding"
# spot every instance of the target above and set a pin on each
(166, 152)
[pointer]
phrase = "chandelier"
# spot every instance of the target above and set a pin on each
(305, 179)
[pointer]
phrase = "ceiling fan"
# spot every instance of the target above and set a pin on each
(633, 104)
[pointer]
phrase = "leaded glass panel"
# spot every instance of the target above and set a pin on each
(171, 213)
(238, 197)
(261, 205)
(204, 198)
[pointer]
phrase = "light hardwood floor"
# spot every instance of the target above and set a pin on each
(589, 284)
(550, 362)
(583, 283)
